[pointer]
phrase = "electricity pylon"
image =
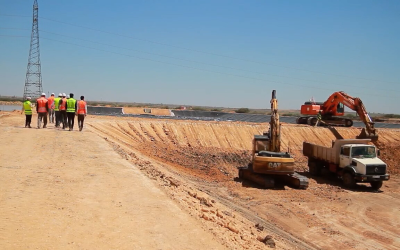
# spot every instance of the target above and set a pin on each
(33, 80)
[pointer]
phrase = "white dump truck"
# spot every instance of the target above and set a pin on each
(353, 160)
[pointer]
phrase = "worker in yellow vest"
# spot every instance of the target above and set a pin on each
(27, 107)
(71, 109)
(57, 109)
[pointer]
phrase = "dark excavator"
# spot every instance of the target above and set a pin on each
(269, 165)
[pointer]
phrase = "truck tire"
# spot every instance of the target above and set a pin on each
(314, 168)
(376, 184)
(348, 180)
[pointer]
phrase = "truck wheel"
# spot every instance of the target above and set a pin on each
(348, 180)
(314, 169)
(376, 184)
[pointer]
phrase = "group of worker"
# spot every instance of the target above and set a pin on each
(62, 109)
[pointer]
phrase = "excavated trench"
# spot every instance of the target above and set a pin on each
(206, 154)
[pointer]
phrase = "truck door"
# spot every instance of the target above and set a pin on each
(345, 159)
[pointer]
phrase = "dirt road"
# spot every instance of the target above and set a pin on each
(70, 190)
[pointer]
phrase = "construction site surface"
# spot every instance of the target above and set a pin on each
(150, 183)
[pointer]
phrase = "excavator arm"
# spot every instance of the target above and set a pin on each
(353, 103)
(274, 126)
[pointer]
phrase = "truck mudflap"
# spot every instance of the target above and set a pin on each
(371, 178)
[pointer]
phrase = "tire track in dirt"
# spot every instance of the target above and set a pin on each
(136, 132)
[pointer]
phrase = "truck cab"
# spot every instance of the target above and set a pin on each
(363, 162)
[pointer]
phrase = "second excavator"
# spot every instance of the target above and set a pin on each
(269, 165)
(332, 112)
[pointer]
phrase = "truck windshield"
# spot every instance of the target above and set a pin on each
(363, 152)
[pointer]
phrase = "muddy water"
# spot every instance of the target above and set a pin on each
(10, 107)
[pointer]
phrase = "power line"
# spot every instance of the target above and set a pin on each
(212, 71)
(177, 58)
(204, 52)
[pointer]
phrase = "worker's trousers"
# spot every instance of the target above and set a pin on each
(51, 115)
(57, 115)
(63, 118)
(71, 120)
(28, 119)
(42, 116)
(81, 118)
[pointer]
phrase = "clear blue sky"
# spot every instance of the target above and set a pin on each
(208, 53)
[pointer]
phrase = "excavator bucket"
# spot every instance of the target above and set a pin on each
(364, 135)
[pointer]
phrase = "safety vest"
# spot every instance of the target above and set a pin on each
(42, 105)
(27, 107)
(63, 105)
(50, 102)
(81, 107)
(71, 105)
(56, 103)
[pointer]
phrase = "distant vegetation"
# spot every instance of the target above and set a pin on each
(242, 110)
(351, 115)
(11, 99)
(391, 116)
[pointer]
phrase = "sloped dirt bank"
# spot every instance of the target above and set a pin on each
(204, 155)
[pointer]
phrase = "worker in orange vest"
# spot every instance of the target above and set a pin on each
(63, 110)
(50, 103)
(81, 111)
(42, 108)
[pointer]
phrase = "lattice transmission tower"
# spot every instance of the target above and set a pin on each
(33, 80)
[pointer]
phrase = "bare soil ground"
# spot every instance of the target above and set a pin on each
(194, 163)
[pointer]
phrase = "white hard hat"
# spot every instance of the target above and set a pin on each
(64, 94)
(52, 93)
(28, 97)
(43, 94)
(67, 96)
(59, 94)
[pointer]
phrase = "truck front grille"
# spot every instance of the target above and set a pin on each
(376, 169)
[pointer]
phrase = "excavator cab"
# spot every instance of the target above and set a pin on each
(340, 109)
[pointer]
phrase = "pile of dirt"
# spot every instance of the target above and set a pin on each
(389, 155)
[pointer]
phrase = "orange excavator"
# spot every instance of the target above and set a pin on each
(332, 111)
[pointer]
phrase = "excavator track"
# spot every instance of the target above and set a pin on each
(331, 121)
(294, 180)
